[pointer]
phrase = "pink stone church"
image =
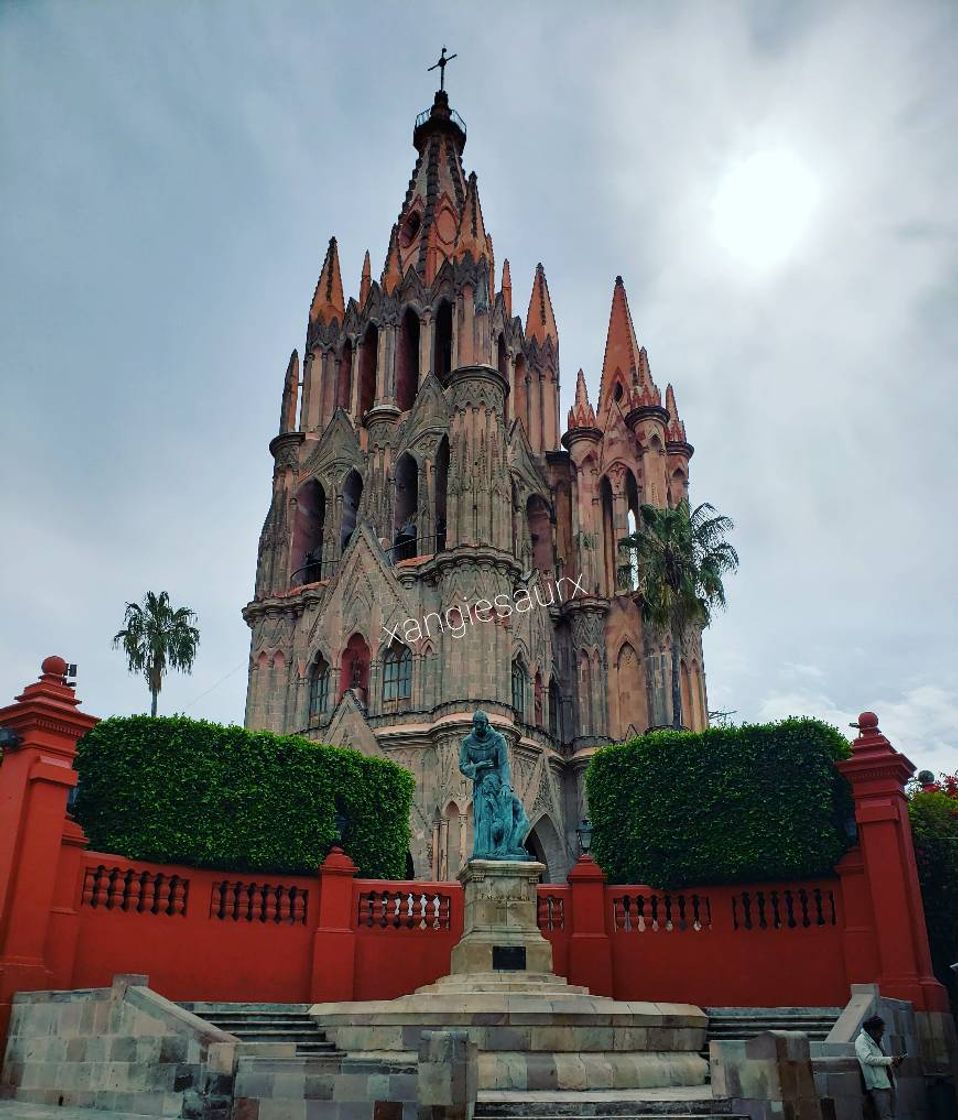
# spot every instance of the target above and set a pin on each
(421, 484)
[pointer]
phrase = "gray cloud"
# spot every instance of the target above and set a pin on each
(171, 176)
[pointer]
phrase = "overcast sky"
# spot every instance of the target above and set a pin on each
(776, 182)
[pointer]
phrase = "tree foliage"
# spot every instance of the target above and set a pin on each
(726, 805)
(157, 637)
(176, 790)
(680, 557)
(933, 809)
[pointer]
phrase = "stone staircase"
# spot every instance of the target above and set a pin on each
(266, 1022)
(726, 1023)
(684, 1103)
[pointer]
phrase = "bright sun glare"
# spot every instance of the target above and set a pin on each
(763, 207)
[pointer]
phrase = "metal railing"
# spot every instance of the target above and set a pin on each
(453, 116)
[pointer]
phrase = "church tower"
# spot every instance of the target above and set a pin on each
(433, 545)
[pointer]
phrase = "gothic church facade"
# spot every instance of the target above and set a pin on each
(435, 543)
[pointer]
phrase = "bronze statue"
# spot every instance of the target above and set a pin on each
(500, 821)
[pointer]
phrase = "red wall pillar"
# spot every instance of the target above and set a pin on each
(35, 779)
(590, 952)
(334, 943)
(878, 773)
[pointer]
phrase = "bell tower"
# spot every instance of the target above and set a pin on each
(433, 546)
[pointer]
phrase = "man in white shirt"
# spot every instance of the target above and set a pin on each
(875, 1065)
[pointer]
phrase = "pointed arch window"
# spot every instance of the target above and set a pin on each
(442, 344)
(397, 673)
(368, 362)
(554, 701)
(442, 485)
(352, 496)
(406, 508)
(319, 689)
(520, 687)
(407, 360)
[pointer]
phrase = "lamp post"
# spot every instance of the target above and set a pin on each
(584, 832)
(341, 821)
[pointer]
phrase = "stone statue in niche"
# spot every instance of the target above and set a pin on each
(500, 822)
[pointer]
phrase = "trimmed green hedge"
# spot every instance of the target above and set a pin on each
(177, 790)
(731, 804)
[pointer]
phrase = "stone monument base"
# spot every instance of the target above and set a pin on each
(501, 931)
(533, 1030)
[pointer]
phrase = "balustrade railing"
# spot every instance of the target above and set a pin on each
(641, 913)
(404, 909)
(140, 892)
(784, 908)
(259, 902)
(550, 912)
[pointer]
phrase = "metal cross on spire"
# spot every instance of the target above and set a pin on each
(441, 67)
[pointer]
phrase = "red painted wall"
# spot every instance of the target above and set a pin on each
(72, 918)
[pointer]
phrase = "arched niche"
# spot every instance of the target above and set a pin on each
(440, 489)
(405, 508)
(539, 526)
(555, 710)
(368, 362)
(407, 360)
(520, 686)
(306, 559)
(608, 535)
(442, 348)
(354, 667)
(352, 495)
(344, 380)
(521, 393)
(502, 364)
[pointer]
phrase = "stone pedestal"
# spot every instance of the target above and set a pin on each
(533, 1030)
(501, 933)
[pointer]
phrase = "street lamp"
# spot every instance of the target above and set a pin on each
(584, 832)
(341, 821)
(9, 739)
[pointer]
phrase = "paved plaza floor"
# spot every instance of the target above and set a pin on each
(22, 1110)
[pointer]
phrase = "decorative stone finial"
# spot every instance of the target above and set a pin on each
(868, 721)
(54, 668)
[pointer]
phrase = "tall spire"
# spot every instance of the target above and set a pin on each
(507, 288)
(581, 414)
(392, 273)
(287, 416)
(432, 210)
(625, 361)
(675, 432)
(471, 236)
(366, 280)
(540, 320)
(328, 302)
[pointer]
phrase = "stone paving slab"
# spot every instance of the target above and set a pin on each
(22, 1110)
(597, 1096)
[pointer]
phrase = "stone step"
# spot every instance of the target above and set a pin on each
(266, 1022)
(675, 1102)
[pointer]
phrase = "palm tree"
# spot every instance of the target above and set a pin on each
(157, 637)
(679, 558)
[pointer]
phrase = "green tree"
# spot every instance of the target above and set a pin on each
(933, 809)
(156, 637)
(679, 557)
